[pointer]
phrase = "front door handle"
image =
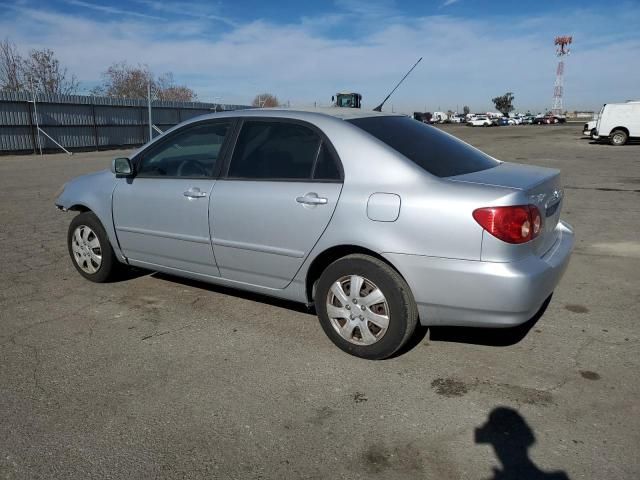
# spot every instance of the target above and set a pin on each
(312, 198)
(195, 193)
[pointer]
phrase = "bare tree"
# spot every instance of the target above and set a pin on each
(11, 63)
(125, 81)
(42, 72)
(466, 110)
(263, 100)
(166, 89)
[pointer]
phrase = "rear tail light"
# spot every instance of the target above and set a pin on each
(514, 224)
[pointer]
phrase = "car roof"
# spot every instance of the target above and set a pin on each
(300, 113)
(311, 115)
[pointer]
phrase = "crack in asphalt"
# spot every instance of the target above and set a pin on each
(159, 334)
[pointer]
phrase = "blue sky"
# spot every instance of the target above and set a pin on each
(305, 51)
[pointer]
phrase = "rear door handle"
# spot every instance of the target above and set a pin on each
(312, 198)
(195, 193)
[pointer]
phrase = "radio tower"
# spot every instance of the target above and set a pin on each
(562, 48)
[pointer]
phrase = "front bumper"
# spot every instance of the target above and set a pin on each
(484, 294)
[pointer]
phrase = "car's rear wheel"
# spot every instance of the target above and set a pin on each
(365, 307)
(618, 138)
(90, 249)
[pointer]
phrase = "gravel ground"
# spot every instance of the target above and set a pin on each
(157, 377)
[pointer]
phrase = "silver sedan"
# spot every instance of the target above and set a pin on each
(378, 220)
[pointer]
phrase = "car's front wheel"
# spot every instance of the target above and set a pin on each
(618, 138)
(90, 249)
(365, 307)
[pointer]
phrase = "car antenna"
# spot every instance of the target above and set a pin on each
(379, 107)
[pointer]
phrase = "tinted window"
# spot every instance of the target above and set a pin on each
(435, 151)
(192, 152)
(326, 166)
(275, 150)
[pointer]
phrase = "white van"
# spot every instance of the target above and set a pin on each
(618, 122)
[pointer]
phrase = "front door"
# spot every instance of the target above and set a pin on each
(279, 194)
(161, 216)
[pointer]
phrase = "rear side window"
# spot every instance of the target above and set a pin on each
(326, 165)
(274, 150)
(436, 152)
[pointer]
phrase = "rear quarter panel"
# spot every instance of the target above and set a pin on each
(435, 214)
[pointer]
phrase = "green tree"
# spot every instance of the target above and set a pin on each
(466, 110)
(504, 103)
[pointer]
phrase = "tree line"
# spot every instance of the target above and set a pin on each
(41, 72)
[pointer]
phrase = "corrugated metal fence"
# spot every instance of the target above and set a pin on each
(87, 123)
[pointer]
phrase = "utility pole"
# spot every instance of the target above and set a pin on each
(149, 108)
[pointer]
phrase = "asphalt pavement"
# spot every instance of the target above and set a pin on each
(158, 377)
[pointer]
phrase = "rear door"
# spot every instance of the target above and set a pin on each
(161, 216)
(280, 191)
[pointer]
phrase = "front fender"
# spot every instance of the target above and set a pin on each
(93, 192)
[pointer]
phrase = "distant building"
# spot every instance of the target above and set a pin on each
(580, 114)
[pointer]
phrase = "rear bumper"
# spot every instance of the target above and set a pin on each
(484, 294)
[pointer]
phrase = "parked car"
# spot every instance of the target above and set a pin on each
(618, 122)
(553, 119)
(480, 122)
(504, 121)
(378, 220)
(589, 129)
(439, 117)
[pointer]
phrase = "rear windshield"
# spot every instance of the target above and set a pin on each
(438, 153)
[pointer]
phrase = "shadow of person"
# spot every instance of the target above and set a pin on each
(511, 437)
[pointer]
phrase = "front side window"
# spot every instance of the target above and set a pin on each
(192, 153)
(274, 150)
(436, 152)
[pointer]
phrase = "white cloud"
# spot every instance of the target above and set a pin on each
(111, 10)
(449, 2)
(465, 61)
(188, 9)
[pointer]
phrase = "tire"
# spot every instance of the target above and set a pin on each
(618, 138)
(592, 134)
(397, 305)
(84, 230)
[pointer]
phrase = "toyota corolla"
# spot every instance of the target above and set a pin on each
(377, 220)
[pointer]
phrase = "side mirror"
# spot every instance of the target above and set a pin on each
(121, 167)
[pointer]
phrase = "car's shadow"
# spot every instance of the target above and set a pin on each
(495, 337)
(254, 297)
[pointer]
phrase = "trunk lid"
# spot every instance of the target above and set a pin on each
(538, 186)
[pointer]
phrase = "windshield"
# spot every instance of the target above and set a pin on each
(344, 101)
(436, 152)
